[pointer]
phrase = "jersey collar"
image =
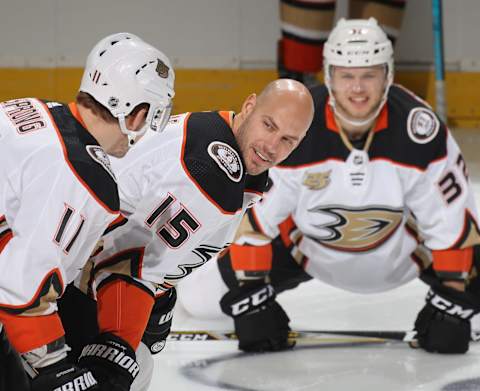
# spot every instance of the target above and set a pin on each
(380, 124)
(227, 117)
(74, 109)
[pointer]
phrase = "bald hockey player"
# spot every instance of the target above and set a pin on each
(183, 193)
(377, 194)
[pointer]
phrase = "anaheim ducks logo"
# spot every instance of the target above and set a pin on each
(357, 229)
(317, 180)
(99, 155)
(227, 159)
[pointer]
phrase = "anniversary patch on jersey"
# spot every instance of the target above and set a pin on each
(98, 154)
(317, 180)
(227, 159)
(357, 229)
(422, 125)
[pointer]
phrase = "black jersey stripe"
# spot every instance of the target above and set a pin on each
(74, 139)
(326, 6)
(392, 143)
(201, 130)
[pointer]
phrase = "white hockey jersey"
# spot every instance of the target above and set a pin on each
(57, 197)
(184, 192)
(345, 210)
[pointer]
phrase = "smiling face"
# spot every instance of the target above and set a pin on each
(271, 126)
(358, 92)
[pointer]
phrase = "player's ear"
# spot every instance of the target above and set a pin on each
(249, 103)
(136, 120)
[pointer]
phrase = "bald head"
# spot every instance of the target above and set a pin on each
(292, 93)
(271, 125)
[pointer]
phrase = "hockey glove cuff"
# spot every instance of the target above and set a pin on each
(443, 324)
(112, 361)
(160, 322)
(260, 322)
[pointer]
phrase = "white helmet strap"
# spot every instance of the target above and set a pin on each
(132, 135)
(156, 120)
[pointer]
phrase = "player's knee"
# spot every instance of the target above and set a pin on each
(145, 361)
(200, 293)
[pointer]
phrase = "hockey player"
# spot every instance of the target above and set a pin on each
(184, 193)
(58, 193)
(305, 25)
(376, 195)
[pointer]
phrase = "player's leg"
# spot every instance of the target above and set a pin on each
(287, 271)
(12, 374)
(305, 27)
(145, 361)
(388, 13)
(78, 313)
(207, 280)
(474, 288)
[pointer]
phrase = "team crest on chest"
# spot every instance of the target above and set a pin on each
(227, 159)
(98, 154)
(422, 125)
(317, 180)
(356, 229)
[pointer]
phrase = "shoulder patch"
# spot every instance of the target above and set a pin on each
(83, 155)
(422, 125)
(227, 159)
(99, 155)
(212, 159)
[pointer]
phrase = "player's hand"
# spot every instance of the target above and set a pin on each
(160, 322)
(443, 324)
(64, 376)
(261, 324)
(112, 362)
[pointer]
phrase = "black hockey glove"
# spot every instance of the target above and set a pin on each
(64, 376)
(261, 324)
(160, 321)
(443, 324)
(12, 374)
(112, 362)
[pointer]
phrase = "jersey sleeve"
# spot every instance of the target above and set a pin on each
(278, 202)
(442, 202)
(171, 232)
(57, 223)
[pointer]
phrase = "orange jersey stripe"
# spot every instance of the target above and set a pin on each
(74, 109)
(251, 258)
(30, 332)
(227, 117)
(124, 310)
(380, 123)
(453, 260)
(285, 228)
(5, 239)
